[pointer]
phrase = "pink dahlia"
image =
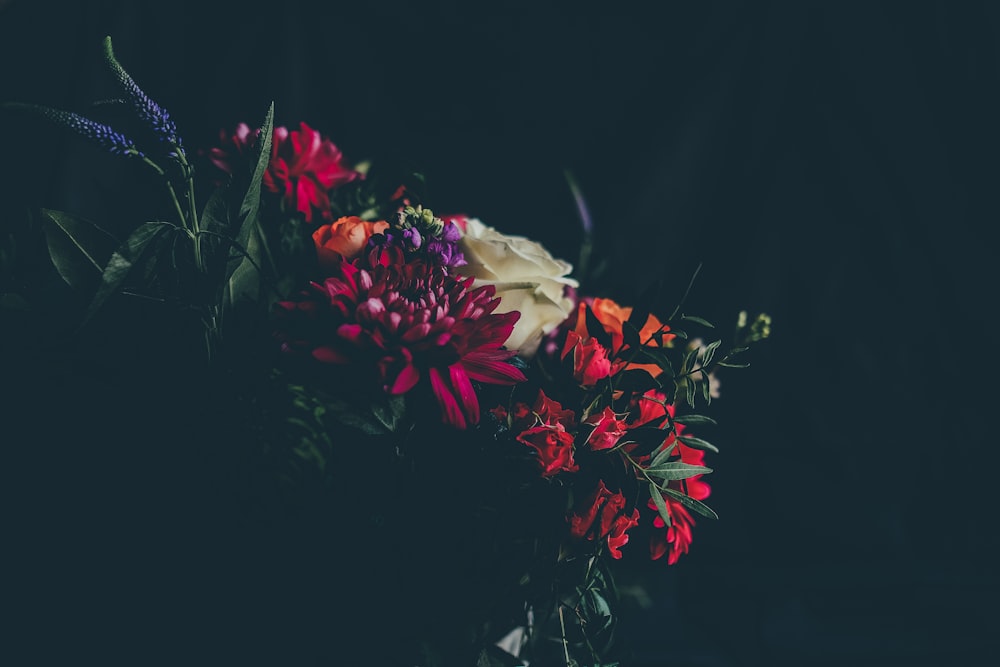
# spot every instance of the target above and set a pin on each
(399, 325)
(304, 166)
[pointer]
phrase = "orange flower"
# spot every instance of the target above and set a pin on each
(345, 237)
(613, 317)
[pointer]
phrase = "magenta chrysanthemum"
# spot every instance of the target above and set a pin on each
(400, 325)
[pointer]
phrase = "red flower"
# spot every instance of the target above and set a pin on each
(590, 359)
(398, 325)
(554, 446)
(552, 412)
(603, 517)
(304, 166)
(676, 538)
(607, 430)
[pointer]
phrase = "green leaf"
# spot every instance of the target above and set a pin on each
(79, 249)
(697, 443)
(709, 353)
(390, 413)
(689, 360)
(661, 504)
(692, 318)
(250, 207)
(676, 470)
(648, 438)
(706, 387)
(695, 419)
(215, 215)
(596, 330)
(690, 503)
(123, 261)
(663, 455)
(630, 335)
(689, 386)
(730, 364)
(243, 278)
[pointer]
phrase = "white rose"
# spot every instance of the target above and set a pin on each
(527, 278)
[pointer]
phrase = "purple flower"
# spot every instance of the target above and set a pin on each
(104, 135)
(149, 111)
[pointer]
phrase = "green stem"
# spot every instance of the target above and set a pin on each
(170, 189)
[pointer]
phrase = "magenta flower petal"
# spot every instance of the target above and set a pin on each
(397, 326)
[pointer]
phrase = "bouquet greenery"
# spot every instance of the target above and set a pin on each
(398, 436)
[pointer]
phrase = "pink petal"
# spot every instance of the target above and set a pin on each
(470, 402)
(452, 414)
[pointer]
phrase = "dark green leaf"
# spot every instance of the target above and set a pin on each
(731, 364)
(689, 387)
(706, 387)
(692, 318)
(390, 413)
(243, 278)
(661, 505)
(663, 455)
(676, 470)
(123, 261)
(695, 419)
(709, 353)
(648, 438)
(637, 319)
(596, 330)
(79, 249)
(215, 215)
(690, 358)
(697, 443)
(630, 335)
(690, 503)
(262, 154)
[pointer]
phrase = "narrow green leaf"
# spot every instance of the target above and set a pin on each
(123, 261)
(702, 322)
(663, 455)
(690, 503)
(661, 505)
(695, 419)
(730, 364)
(79, 249)
(706, 387)
(697, 443)
(262, 152)
(676, 470)
(689, 387)
(243, 278)
(709, 353)
(689, 360)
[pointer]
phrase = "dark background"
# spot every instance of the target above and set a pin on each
(833, 164)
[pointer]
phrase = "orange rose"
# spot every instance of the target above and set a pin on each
(613, 317)
(345, 237)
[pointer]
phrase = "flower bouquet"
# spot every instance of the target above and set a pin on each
(397, 435)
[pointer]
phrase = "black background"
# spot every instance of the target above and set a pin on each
(833, 164)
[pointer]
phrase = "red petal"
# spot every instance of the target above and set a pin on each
(470, 402)
(452, 414)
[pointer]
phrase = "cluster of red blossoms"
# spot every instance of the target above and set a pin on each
(389, 312)
(304, 166)
(553, 433)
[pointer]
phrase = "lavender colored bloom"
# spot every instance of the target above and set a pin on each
(413, 238)
(149, 111)
(447, 253)
(113, 141)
